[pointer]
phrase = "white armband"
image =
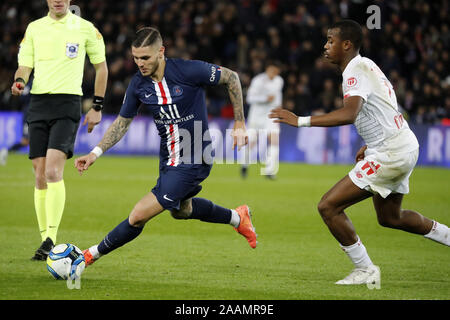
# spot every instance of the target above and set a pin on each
(97, 151)
(304, 122)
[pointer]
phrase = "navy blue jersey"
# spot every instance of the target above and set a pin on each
(178, 106)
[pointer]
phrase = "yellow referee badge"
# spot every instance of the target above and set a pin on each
(72, 50)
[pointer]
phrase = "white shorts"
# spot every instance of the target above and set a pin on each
(258, 119)
(384, 172)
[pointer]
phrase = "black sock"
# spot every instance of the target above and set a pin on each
(207, 211)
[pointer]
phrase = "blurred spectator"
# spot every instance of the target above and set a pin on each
(327, 95)
(412, 47)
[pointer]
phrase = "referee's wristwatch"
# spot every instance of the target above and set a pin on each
(97, 103)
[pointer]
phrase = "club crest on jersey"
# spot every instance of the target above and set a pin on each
(177, 91)
(72, 50)
(351, 82)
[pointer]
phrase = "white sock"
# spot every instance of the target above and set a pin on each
(272, 162)
(94, 251)
(235, 218)
(245, 155)
(439, 233)
(358, 254)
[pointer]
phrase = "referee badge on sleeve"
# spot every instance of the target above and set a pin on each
(72, 50)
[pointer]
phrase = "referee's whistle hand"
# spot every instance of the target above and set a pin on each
(92, 119)
(17, 88)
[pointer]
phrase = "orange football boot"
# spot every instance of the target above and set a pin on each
(245, 226)
(88, 258)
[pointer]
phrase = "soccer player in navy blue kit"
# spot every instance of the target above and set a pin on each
(173, 91)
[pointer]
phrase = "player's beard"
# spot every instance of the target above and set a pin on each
(155, 68)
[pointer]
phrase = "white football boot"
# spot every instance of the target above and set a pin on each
(369, 275)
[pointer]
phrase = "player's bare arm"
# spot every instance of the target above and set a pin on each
(20, 80)
(345, 115)
(231, 80)
(113, 135)
(94, 117)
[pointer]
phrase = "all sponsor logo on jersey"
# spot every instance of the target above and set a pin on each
(171, 112)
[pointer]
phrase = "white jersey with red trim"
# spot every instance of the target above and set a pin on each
(379, 121)
(260, 89)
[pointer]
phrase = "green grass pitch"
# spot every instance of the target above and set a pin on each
(296, 259)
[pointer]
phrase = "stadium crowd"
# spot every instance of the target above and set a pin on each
(411, 47)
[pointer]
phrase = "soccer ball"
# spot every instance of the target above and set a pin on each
(65, 261)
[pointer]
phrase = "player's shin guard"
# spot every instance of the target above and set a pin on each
(207, 211)
(123, 233)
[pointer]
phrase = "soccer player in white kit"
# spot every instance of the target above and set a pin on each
(383, 165)
(264, 93)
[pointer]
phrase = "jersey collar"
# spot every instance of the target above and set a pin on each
(352, 62)
(61, 21)
(164, 73)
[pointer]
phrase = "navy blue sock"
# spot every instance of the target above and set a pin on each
(207, 211)
(123, 233)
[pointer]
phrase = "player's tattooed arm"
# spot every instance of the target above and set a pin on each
(231, 80)
(115, 132)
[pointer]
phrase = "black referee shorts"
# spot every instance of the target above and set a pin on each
(53, 121)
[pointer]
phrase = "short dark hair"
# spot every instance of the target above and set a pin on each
(349, 30)
(274, 63)
(146, 37)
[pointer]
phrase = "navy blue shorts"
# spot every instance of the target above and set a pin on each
(176, 184)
